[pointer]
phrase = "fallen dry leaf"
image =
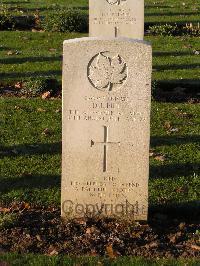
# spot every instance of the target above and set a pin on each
(110, 251)
(46, 132)
(4, 210)
(41, 110)
(160, 158)
(182, 189)
(88, 231)
(195, 247)
(167, 125)
(18, 85)
(46, 95)
(10, 52)
(27, 206)
(38, 238)
(52, 50)
(53, 253)
(35, 30)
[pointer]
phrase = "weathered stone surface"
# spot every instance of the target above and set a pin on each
(106, 118)
(117, 18)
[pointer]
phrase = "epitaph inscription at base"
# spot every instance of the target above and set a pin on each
(116, 18)
(106, 118)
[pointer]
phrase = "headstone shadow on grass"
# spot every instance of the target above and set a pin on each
(174, 140)
(22, 75)
(173, 170)
(30, 149)
(15, 60)
(29, 181)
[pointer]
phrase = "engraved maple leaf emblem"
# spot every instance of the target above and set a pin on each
(116, 2)
(106, 71)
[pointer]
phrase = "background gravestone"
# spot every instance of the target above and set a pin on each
(106, 120)
(117, 18)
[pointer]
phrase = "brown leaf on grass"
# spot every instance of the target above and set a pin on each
(18, 85)
(46, 132)
(110, 251)
(167, 125)
(52, 251)
(160, 158)
(10, 52)
(52, 50)
(27, 205)
(4, 210)
(187, 46)
(182, 189)
(41, 110)
(46, 95)
(25, 38)
(195, 247)
(58, 111)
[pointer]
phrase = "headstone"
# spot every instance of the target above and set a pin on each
(106, 120)
(117, 18)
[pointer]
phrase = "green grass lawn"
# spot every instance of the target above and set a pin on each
(160, 11)
(31, 160)
(39, 54)
(39, 260)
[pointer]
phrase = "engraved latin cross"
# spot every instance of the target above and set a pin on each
(105, 144)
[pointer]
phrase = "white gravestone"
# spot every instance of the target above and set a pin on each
(106, 120)
(116, 18)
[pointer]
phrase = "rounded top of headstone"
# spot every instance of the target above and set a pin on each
(119, 39)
